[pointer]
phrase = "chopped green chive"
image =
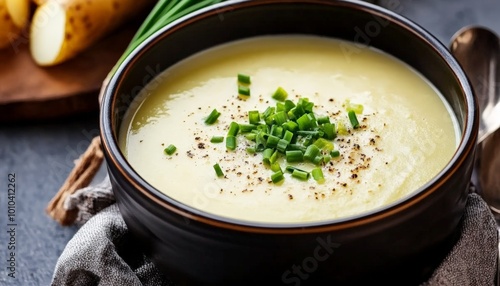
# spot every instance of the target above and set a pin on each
(218, 170)
(253, 117)
(251, 136)
(323, 120)
(266, 155)
(212, 117)
(251, 150)
(280, 118)
(335, 153)
(243, 90)
(287, 128)
(274, 157)
(353, 119)
(272, 141)
(288, 136)
(233, 129)
(217, 139)
(231, 142)
(282, 144)
(292, 168)
(317, 160)
(357, 108)
(317, 175)
(300, 175)
(298, 147)
(277, 177)
(291, 126)
(323, 144)
(341, 129)
(311, 152)
(327, 158)
(170, 149)
(280, 94)
(294, 156)
(245, 128)
(275, 167)
(280, 106)
(289, 105)
(268, 112)
(304, 122)
(329, 130)
(243, 78)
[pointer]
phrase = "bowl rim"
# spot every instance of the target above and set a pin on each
(114, 154)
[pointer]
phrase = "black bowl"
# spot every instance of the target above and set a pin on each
(397, 244)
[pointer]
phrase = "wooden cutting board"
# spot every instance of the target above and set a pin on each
(29, 92)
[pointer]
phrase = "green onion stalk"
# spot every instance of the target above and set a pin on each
(162, 14)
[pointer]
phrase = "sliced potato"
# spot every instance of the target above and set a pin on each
(14, 16)
(61, 29)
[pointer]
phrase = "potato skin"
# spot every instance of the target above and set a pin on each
(87, 21)
(9, 31)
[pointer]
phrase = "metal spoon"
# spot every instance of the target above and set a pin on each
(477, 49)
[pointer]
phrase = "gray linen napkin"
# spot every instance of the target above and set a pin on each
(102, 253)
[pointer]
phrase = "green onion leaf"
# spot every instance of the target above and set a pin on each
(311, 152)
(317, 175)
(288, 136)
(253, 117)
(335, 153)
(341, 129)
(329, 131)
(280, 94)
(231, 142)
(291, 126)
(266, 155)
(304, 122)
(353, 119)
(292, 168)
(218, 170)
(272, 141)
(275, 167)
(277, 177)
(324, 144)
(357, 108)
(280, 107)
(289, 105)
(212, 117)
(170, 149)
(243, 78)
(298, 147)
(294, 156)
(246, 128)
(251, 136)
(280, 118)
(301, 175)
(323, 119)
(243, 90)
(217, 139)
(251, 150)
(317, 160)
(233, 129)
(282, 144)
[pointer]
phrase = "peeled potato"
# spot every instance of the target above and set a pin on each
(14, 16)
(61, 29)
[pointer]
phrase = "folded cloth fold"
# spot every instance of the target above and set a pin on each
(103, 252)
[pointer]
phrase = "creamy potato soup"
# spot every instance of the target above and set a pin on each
(405, 134)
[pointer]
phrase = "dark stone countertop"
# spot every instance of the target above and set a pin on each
(41, 154)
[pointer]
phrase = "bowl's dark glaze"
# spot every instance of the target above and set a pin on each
(396, 244)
